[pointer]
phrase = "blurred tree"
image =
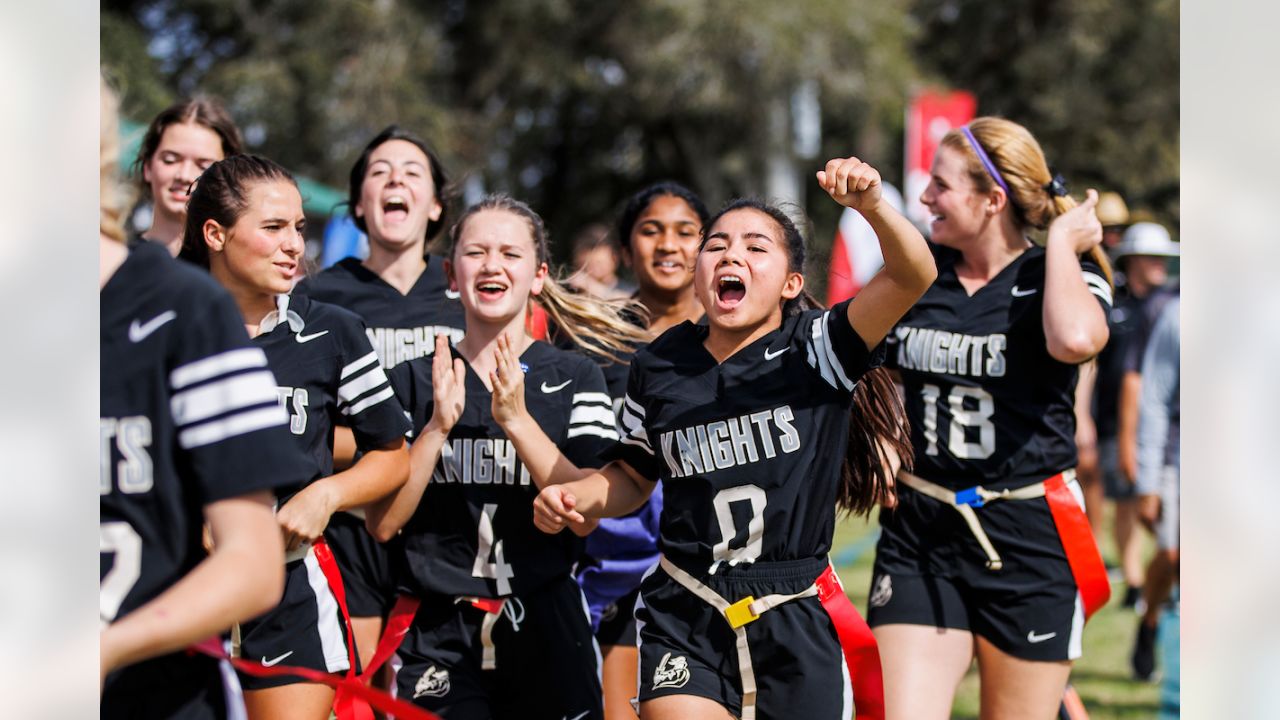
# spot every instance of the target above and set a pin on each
(574, 104)
(1095, 80)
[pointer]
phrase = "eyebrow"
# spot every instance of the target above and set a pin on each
(753, 235)
(388, 162)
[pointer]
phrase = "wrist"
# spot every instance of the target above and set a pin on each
(327, 493)
(518, 424)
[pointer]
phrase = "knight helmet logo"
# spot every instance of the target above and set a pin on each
(882, 592)
(671, 672)
(433, 682)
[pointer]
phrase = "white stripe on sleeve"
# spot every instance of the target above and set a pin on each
(223, 396)
(238, 424)
(589, 413)
(830, 349)
(357, 386)
(1098, 286)
(373, 399)
(592, 397)
(607, 433)
(356, 366)
(215, 365)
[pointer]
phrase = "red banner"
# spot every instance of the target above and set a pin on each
(930, 116)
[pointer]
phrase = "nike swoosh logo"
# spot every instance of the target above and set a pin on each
(1032, 637)
(269, 663)
(1022, 293)
(139, 331)
(771, 355)
(308, 338)
(579, 716)
(554, 388)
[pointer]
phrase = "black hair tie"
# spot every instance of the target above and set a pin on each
(1057, 187)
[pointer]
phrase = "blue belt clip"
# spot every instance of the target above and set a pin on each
(970, 496)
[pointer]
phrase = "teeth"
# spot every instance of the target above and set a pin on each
(730, 278)
(395, 201)
(492, 286)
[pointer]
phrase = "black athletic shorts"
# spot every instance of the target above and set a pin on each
(304, 630)
(618, 621)
(930, 570)
(190, 687)
(688, 648)
(547, 664)
(365, 563)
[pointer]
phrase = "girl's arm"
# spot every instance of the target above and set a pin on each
(614, 490)
(1075, 325)
(243, 577)
(908, 269)
(376, 474)
(385, 517)
(546, 464)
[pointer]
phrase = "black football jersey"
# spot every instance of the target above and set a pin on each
(987, 403)
(188, 417)
(401, 327)
(749, 451)
(328, 374)
(473, 532)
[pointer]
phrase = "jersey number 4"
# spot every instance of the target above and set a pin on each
(497, 569)
(967, 423)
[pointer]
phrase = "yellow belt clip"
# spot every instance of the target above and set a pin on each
(740, 613)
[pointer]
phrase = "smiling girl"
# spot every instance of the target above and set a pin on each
(746, 422)
(502, 629)
(181, 142)
(988, 361)
(398, 196)
(244, 223)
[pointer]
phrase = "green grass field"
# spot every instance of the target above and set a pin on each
(1102, 676)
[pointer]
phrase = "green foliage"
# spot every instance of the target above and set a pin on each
(574, 104)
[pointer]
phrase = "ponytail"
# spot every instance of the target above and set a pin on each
(1037, 197)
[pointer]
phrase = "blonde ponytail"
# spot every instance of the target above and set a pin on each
(1021, 163)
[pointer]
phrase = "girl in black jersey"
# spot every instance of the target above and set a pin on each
(244, 223)
(502, 629)
(660, 228)
(987, 553)
(167, 333)
(397, 195)
(180, 143)
(746, 422)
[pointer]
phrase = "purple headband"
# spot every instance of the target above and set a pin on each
(986, 161)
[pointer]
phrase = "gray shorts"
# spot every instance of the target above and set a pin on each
(1114, 483)
(1169, 524)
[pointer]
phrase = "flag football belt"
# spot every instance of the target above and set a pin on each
(492, 608)
(1068, 517)
(353, 699)
(862, 657)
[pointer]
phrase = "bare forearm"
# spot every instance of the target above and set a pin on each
(242, 578)
(907, 259)
(608, 492)
(1075, 327)
(385, 517)
(375, 475)
(541, 457)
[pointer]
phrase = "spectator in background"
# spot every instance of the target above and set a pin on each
(1143, 257)
(595, 264)
(1158, 483)
(180, 143)
(1114, 216)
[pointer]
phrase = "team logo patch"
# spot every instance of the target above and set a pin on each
(433, 682)
(610, 612)
(882, 592)
(671, 672)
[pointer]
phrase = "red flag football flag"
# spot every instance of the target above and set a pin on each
(855, 254)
